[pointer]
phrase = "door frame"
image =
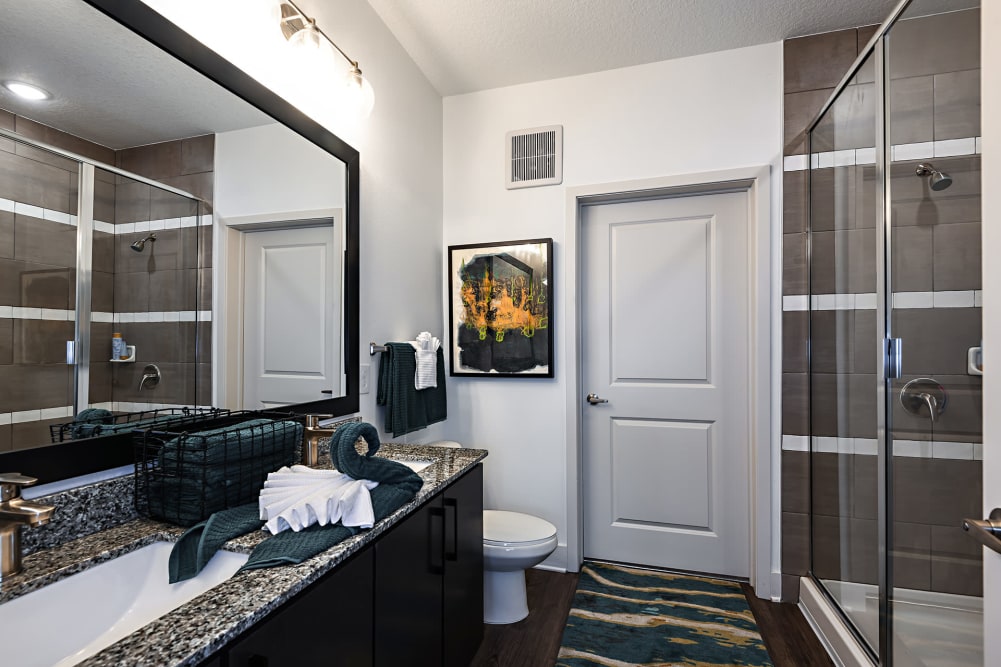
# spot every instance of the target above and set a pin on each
(764, 373)
(227, 309)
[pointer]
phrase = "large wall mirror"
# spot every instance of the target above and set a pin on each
(161, 194)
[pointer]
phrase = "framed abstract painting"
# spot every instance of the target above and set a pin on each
(500, 309)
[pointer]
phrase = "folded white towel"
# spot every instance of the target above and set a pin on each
(426, 349)
(297, 497)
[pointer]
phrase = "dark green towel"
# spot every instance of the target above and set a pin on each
(195, 548)
(407, 408)
(200, 473)
(89, 421)
(398, 485)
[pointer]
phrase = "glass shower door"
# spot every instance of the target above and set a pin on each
(843, 354)
(934, 409)
(38, 282)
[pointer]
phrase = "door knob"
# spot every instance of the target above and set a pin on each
(986, 532)
(594, 399)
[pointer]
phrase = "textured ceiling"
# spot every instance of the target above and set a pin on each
(108, 85)
(468, 45)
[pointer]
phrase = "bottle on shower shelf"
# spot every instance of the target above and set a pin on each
(118, 350)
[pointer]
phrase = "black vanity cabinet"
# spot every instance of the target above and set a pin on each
(330, 623)
(463, 589)
(429, 581)
(413, 597)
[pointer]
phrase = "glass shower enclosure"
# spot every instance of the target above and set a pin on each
(86, 250)
(894, 340)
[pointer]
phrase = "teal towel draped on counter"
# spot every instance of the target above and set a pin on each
(407, 408)
(398, 485)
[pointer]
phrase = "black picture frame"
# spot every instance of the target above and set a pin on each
(500, 305)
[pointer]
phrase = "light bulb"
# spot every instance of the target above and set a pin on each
(26, 90)
(307, 39)
(360, 94)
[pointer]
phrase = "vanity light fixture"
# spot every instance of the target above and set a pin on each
(26, 90)
(302, 31)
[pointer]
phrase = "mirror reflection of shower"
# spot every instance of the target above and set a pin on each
(939, 180)
(140, 245)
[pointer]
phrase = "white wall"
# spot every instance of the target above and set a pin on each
(698, 114)
(990, 118)
(271, 169)
(400, 146)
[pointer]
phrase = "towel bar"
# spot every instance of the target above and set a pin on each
(373, 348)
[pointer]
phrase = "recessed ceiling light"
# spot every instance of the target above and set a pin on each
(26, 90)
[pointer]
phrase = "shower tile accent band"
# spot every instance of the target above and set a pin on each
(19, 208)
(901, 300)
(923, 449)
(899, 153)
(59, 315)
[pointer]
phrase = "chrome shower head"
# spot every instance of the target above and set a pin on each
(939, 179)
(140, 245)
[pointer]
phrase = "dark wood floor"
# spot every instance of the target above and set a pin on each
(535, 641)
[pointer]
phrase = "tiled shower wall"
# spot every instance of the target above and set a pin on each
(934, 102)
(167, 286)
(169, 282)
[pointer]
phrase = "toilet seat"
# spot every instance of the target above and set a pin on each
(512, 529)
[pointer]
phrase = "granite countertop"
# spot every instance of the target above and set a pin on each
(196, 630)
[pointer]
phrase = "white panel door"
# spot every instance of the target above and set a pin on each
(291, 325)
(665, 343)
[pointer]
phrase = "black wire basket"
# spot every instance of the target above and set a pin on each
(185, 475)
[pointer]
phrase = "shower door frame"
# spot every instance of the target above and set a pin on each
(876, 47)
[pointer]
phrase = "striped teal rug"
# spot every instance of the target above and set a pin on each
(622, 616)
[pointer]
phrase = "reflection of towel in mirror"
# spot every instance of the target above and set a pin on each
(398, 485)
(426, 351)
(408, 409)
(88, 422)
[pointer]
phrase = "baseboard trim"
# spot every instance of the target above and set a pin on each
(837, 639)
(557, 561)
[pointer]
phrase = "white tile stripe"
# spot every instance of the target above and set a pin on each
(862, 156)
(928, 449)
(901, 300)
(142, 226)
(66, 411)
(19, 313)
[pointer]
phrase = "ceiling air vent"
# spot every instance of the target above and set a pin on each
(535, 157)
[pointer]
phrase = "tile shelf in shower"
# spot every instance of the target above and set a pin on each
(130, 359)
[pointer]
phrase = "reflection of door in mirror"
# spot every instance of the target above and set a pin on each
(290, 332)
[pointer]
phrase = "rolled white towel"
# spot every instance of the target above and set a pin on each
(426, 350)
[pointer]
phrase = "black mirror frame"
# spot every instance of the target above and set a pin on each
(71, 459)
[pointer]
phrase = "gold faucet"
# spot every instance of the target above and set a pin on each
(311, 436)
(15, 513)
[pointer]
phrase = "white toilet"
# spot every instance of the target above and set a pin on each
(512, 543)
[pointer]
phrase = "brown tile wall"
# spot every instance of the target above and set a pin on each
(172, 274)
(37, 260)
(934, 95)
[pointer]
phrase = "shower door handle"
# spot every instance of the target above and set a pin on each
(987, 532)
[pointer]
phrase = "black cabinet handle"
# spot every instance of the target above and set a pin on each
(436, 559)
(329, 392)
(257, 661)
(452, 529)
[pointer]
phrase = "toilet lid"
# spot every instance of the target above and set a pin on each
(513, 527)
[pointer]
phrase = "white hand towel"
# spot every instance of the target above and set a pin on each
(295, 498)
(426, 349)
